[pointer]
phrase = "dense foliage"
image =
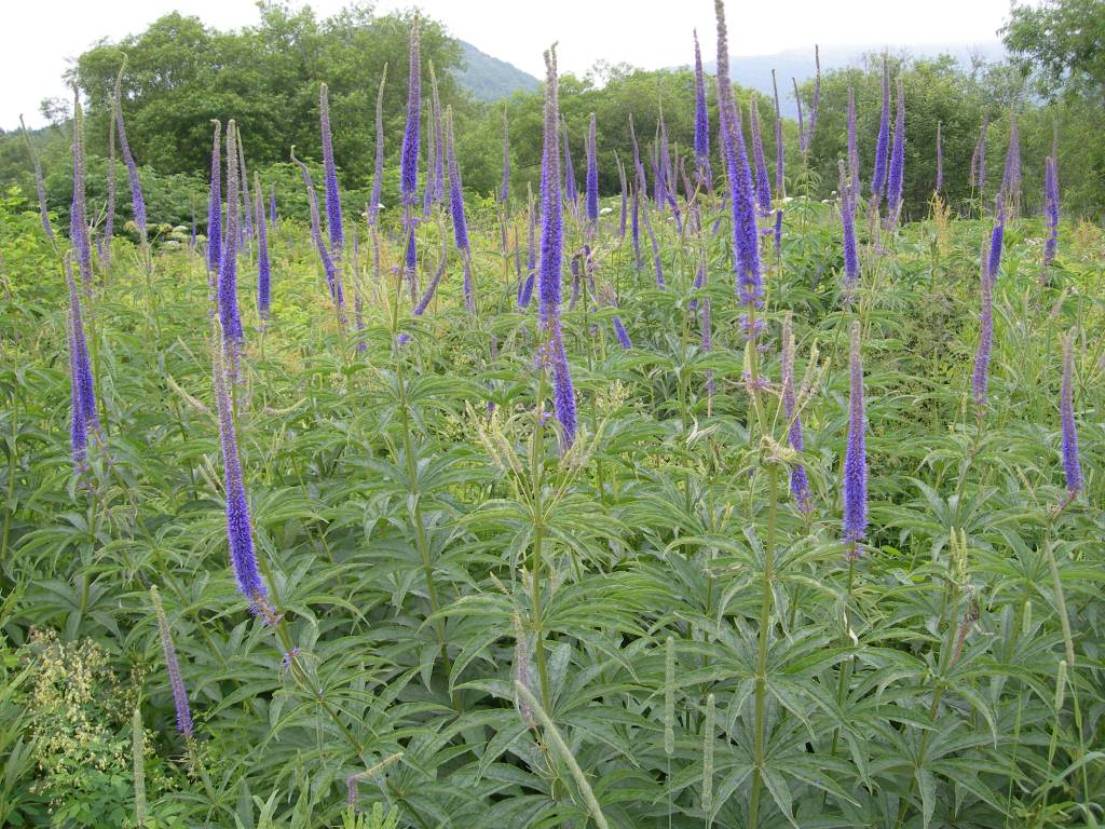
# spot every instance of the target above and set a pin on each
(291, 539)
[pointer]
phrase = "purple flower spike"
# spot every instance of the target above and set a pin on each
(78, 216)
(741, 197)
(438, 140)
(78, 427)
(570, 191)
(551, 252)
(1072, 467)
(504, 187)
(408, 160)
(802, 148)
(939, 160)
(763, 188)
(172, 668)
(378, 167)
(853, 149)
(625, 197)
(815, 104)
(333, 277)
(264, 275)
(1051, 207)
(657, 263)
(138, 203)
(855, 457)
(239, 528)
(882, 142)
(997, 241)
(272, 205)
(229, 317)
(701, 121)
(780, 181)
(980, 377)
(215, 204)
(246, 209)
(592, 199)
(40, 182)
(82, 365)
(330, 174)
(799, 482)
(896, 176)
(848, 225)
(526, 291)
(456, 206)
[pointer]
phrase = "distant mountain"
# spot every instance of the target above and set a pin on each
(755, 72)
(488, 78)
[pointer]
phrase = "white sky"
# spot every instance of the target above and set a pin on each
(42, 37)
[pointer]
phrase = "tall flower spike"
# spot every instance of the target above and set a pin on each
(592, 200)
(112, 191)
(570, 191)
(78, 217)
(815, 104)
(1011, 174)
(939, 160)
(272, 205)
(408, 159)
(215, 204)
(456, 208)
(625, 198)
(896, 177)
(802, 147)
(439, 139)
(997, 241)
(564, 401)
(82, 365)
(763, 188)
(246, 216)
(264, 275)
(531, 258)
(1051, 207)
(742, 200)
(78, 427)
(855, 457)
(980, 376)
(882, 142)
(333, 278)
(504, 186)
(138, 203)
(701, 120)
(1072, 467)
(378, 164)
(780, 181)
(799, 482)
(330, 174)
(229, 318)
(848, 226)
(978, 160)
(40, 183)
(239, 528)
(172, 668)
(853, 149)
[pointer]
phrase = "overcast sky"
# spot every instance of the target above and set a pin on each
(42, 37)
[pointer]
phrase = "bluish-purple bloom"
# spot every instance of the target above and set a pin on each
(1051, 207)
(592, 195)
(780, 181)
(40, 182)
(82, 383)
(330, 176)
(799, 482)
(172, 668)
(229, 317)
(408, 159)
(378, 165)
(980, 376)
(855, 456)
(78, 216)
(625, 197)
(997, 241)
(848, 226)
(138, 203)
(272, 205)
(896, 177)
(215, 204)
(239, 528)
(1072, 467)
(504, 186)
(333, 277)
(801, 118)
(551, 252)
(882, 142)
(701, 120)
(978, 159)
(763, 188)
(264, 275)
(456, 207)
(246, 224)
(853, 148)
(526, 290)
(78, 427)
(939, 159)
